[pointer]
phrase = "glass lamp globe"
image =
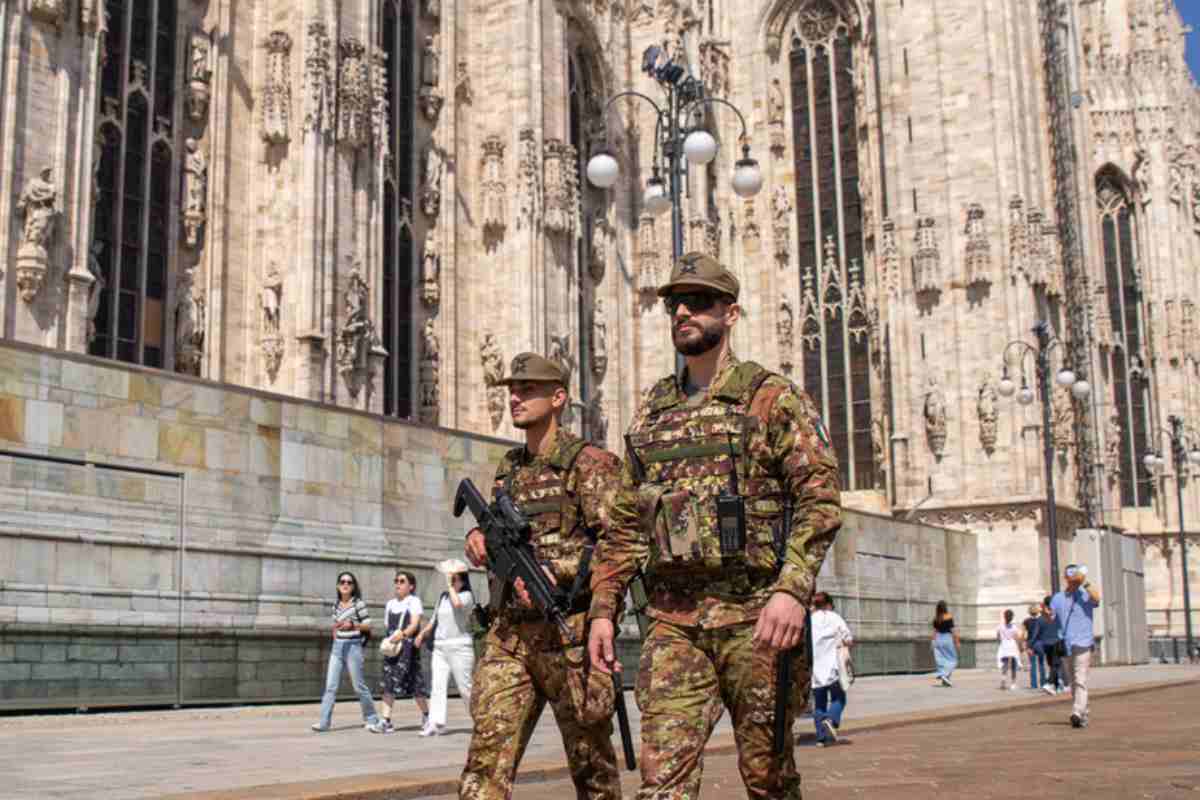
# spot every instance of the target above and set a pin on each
(747, 178)
(1006, 387)
(656, 200)
(1194, 456)
(603, 170)
(1065, 377)
(1150, 461)
(1081, 389)
(1025, 396)
(700, 147)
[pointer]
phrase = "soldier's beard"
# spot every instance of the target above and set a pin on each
(709, 338)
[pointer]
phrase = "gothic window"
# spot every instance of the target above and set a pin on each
(1125, 359)
(134, 181)
(828, 208)
(399, 275)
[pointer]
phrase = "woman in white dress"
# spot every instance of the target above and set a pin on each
(1009, 654)
(453, 647)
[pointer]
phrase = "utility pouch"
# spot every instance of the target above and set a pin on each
(683, 525)
(731, 523)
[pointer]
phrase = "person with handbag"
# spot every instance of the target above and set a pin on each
(832, 670)
(351, 631)
(1047, 646)
(453, 647)
(402, 675)
(1076, 605)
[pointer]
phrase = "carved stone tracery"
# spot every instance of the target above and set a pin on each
(277, 89)
(354, 95)
(978, 257)
(927, 260)
(493, 216)
(560, 188)
(493, 372)
(318, 81)
(985, 407)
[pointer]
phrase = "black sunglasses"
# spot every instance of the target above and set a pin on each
(697, 302)
(346, 581)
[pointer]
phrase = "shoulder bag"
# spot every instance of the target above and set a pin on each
(1060, 647)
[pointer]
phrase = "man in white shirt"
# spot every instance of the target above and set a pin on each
(829, 634)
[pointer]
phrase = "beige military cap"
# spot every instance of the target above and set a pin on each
(698, 269)
(532, 367)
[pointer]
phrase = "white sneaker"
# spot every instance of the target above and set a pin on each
(1048, 689)
(1012, 688)
(431, 729)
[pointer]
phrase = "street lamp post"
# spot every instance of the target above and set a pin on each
(1185, 447)
(676, 140)
(1066, 378)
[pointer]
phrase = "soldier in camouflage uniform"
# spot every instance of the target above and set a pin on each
(720, 615)
(565, 487)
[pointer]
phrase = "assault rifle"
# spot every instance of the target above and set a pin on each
(510, 555)
(783, 664)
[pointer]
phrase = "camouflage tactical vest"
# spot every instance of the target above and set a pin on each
(687, 456)
(553, 513)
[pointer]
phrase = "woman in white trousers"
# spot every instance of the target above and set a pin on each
(453, 647)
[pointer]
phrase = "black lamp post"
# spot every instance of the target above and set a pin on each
(677, 141)
(1185, 447)
(1080, 389)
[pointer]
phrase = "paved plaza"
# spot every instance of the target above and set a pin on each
(268, 751)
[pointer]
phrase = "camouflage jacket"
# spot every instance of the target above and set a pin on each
(562, 505)
(786, 458)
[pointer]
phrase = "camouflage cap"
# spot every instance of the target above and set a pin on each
(698, 269)
(532, 367)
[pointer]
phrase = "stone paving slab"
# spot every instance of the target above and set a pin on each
(1034, 753)
(231, 750)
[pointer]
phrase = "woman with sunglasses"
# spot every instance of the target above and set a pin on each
(351, 627)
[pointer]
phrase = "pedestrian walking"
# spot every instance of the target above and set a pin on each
(1075, 605)
(351, 629)
(403, 677)
(453, 647)
(565, 487)
(945, 644)
(831, 643)
(729, 502)
(1037, 661)
(1049, 635)
(1009, 652)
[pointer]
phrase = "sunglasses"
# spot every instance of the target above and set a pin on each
(696, 302)
(345, 582)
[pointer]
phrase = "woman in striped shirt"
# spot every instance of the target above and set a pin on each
(351, 627)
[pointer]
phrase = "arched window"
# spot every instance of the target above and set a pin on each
(399, 276)
(1126, 361)
(134, 178)
(836, 362)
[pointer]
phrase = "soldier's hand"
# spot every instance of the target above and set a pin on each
(781, 624)
(522, 592)
(476, 548)
(600, 647)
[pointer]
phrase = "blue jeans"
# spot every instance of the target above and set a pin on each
(945, 654)
(350, 653)
(828, 704)
(1037, 666)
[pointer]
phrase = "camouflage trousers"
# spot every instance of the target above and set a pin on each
(687, 676)
(513, 681)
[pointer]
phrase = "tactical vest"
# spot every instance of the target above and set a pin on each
(553, 514)
(688, 456)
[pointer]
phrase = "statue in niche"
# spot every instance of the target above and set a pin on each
(429, 62)
(189, 325)
(935, 418)
(36, 204)
(431, 271)
(357, 333)
(1062, 424)
(271, 297)
(96, 289)
(431, 192)
(1112, 447)
(195, 190)
(599, 339)
(560, 351)
(775, 103)
(985, 407)
(493, 373)
(429, 343)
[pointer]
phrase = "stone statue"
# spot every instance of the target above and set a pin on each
(195, 191)
(431, 271)
(429, 343)
(189, 325)
(599, 339)
(935, 418)
(775, 103)
(96, 289)
(1112, 447)
(785, 334)
(560, 351)
(431, 192)
(493, 360)
(1063, 421)
(985, 406)
(429, 62)
(597, 420)
(271, 298)
(781, 203)
(355, 337)
(37, 204)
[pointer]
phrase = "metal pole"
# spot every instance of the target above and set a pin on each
(676, 197)
(1180, 454)
(1043, 375)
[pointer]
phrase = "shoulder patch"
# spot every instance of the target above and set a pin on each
(822, 433)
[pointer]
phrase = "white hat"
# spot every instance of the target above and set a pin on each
(451, 566)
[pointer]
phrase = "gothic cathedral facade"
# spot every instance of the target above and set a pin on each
(375, 204)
